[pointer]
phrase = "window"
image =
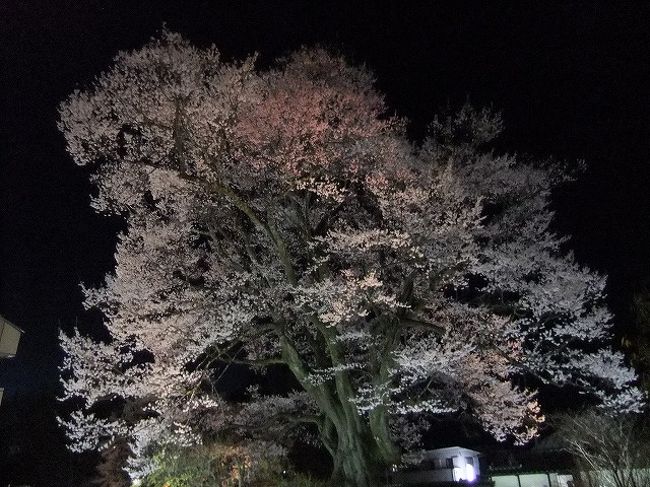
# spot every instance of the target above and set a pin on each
(450, 463)
(469, 460)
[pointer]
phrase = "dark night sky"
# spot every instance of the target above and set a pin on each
(572, 80)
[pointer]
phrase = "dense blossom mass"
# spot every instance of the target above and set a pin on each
(283, 217)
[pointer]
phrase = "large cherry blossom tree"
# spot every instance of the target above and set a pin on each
(282, 217)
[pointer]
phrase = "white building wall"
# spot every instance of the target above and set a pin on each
(564, 479)
(505, 481)
(532, 480)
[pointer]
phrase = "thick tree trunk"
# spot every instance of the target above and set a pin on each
(361, 447)
(356, 463)
(381, 434)
(361, 456)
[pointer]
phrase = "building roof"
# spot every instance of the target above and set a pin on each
(9, 338)
(455, 448)
(528, 460)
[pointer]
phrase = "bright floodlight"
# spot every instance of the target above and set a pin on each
(470, 474)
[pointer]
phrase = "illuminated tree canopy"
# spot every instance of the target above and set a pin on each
(283, 217)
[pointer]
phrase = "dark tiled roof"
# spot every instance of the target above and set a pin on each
(527, 460)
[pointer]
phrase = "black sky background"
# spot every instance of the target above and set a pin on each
(571, 78)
